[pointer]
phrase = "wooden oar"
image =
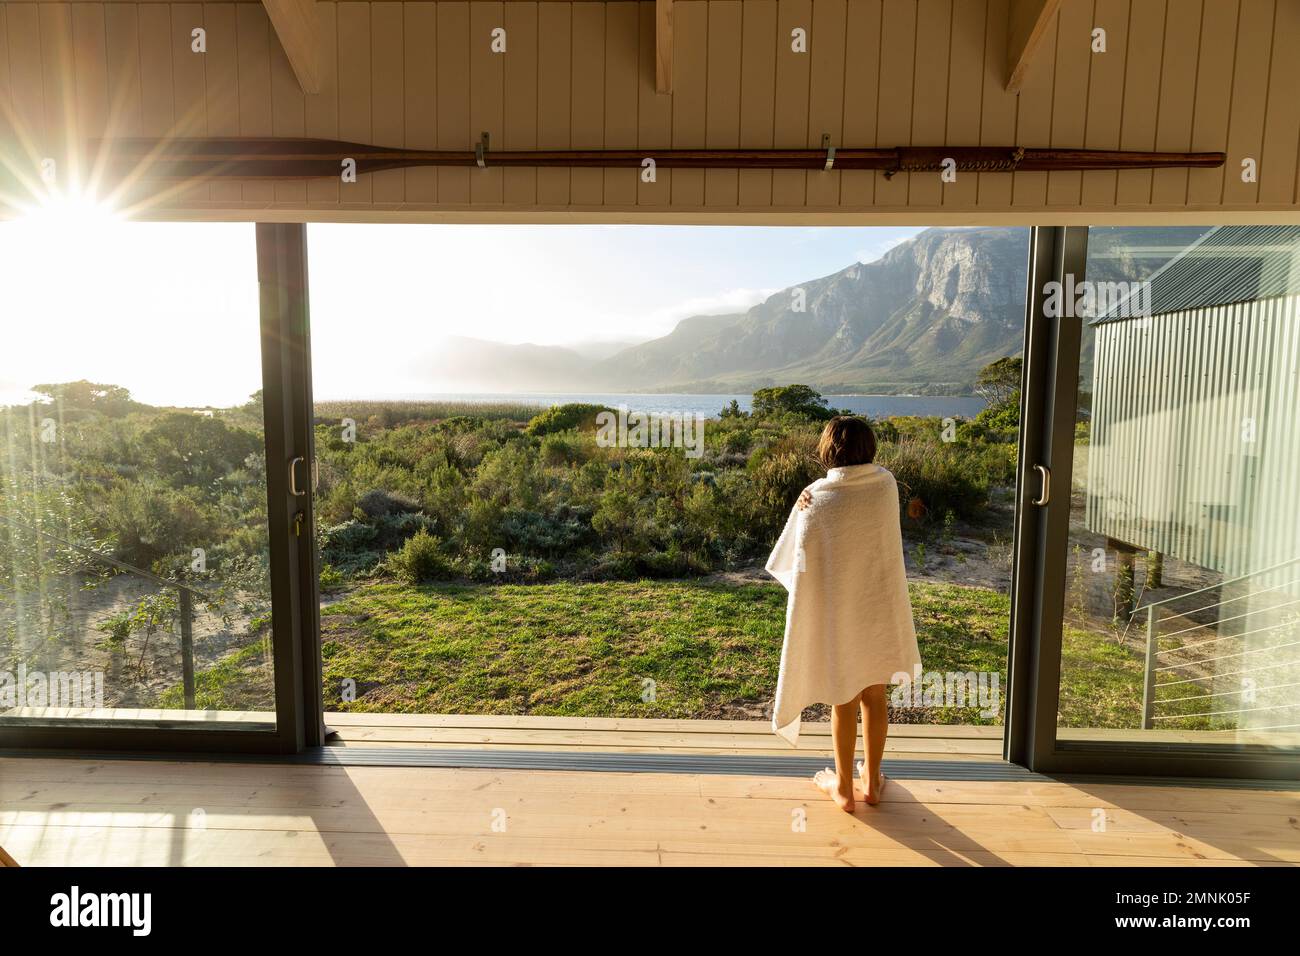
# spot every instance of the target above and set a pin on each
(287, 158)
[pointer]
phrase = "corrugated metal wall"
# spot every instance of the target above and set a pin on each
(1195, 441)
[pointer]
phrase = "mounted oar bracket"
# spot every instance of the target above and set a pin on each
(194, 160)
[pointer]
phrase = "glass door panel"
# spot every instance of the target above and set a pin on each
(134, 572)
(1182, 593)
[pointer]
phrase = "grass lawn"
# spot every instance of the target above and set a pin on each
(711, 650)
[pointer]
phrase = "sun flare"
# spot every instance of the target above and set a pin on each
(65, 215)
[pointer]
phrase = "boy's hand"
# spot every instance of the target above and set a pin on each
(805, 499)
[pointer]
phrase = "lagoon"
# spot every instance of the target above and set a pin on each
(872, 406)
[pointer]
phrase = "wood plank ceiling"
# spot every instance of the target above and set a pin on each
(1174, 75)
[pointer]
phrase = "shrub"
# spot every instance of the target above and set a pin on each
(562, 418)
(938, 477)
(611, 566)
(779, 473)
(420, 559)
(800, 400)
(554, 533)
(331, 579)
(194, 450)
(377, 503)
(519, 569)
(886, 430)
(565, 449)
(148, 521)
(1003, 419)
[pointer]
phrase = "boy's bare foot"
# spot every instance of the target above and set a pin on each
(829, 783)
(871, 793)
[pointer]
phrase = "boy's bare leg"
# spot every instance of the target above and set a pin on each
(875, 728)
(838, 783)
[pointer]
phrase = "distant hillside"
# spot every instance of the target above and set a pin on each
(473, 365)
(930, 313)
(925, 317)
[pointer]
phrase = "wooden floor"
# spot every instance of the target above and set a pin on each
(130, 813)
(638, 735)
(133, 812)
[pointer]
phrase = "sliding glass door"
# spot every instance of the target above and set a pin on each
(159, 583)
(138, 469)
(1167, 629)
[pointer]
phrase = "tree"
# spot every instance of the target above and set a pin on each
(111, 400)
(999, 382)
(800, 400)
(189, 449)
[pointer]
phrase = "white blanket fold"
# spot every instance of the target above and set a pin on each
(848, 622)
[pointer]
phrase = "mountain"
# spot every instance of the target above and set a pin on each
(925, 317)
(665, 359)
(928, 315)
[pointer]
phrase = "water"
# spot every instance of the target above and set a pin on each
(872, 406)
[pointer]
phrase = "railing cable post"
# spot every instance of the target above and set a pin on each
(187, 644)
(1149, 669)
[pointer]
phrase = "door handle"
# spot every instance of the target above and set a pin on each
(1046, 495)
(293, 478)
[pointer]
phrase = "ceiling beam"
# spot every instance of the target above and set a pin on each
(298, 27)
(663, 46)
(1027, 23)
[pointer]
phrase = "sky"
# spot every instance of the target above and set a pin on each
(169, 310)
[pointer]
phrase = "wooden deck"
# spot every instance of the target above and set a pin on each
(632, 735)
(635, 735)
(138, 812)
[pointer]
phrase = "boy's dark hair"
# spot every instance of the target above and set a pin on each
(846, 440)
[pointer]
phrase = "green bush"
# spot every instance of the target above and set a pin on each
(885, 430)
(554, 533)
(377, 503)
(565, 449)
(192, 450)
(798, 400)
(562, 418)
(331, 579)
(147, 521)
(420, 560)
(941, 476)
(534, 484)
(778, 473)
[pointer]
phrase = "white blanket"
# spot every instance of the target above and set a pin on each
(848, 623)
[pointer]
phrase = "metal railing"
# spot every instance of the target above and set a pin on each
(1158, 660)
(185, 594)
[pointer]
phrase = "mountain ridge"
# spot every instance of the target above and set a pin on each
(924, 317)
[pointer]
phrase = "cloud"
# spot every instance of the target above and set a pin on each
(878, 249)
(722, 303)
